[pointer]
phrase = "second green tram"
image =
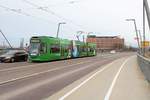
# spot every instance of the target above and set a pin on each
(44, 48)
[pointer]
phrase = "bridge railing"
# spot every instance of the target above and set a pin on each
(144, 64)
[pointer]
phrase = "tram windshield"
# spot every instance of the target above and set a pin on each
(34, 48)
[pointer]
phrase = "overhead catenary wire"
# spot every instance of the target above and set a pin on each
(21, 12)
(67, 2)
(47, 10)
(70, 2)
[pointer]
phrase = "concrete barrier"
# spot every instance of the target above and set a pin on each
(144, 64)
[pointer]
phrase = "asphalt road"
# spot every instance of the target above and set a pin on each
(120, 80)
(36, 81)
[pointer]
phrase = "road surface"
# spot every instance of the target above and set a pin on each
(120, 80)
(36, 81)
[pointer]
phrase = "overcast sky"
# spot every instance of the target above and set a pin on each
(102, 17)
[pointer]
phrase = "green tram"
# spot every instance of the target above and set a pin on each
(44, 48)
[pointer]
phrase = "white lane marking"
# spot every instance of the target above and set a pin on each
(11, 80)
(33, 65)
(27, 88)
(107, 96)
(19, 67)
(84, 82)
(42, 72)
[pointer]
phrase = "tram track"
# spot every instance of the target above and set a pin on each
(38, 73)
(49, 77)
(47, 82)
(20, 65)
(13, 67)
(28, 74)
(19, 73)
(4, 66)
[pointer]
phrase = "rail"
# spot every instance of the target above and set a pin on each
(144, 64)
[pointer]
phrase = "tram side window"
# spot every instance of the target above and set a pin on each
(78, 48)
(43, 48)
(83, 49)
(90, 49)
(66, 49)
(55, 48)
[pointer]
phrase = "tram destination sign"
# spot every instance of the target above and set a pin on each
(35, 40)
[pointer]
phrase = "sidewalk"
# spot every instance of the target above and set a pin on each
(129, 85)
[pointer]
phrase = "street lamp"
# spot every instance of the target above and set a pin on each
(140, 36)
(135, 30)
(59, 28)
(141, 41)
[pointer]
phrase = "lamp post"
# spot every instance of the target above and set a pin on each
(59, 28)
(141, 42)
(140, 36)
(146, 12)
(135, 30)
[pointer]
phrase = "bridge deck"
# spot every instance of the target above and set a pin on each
(120, 80)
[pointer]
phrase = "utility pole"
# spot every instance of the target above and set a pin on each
(147, 11)
(5, 38)
(145, 8)
(140, 38)
(135, 30)
(22, 43)
(143, 45)
(83, 39)
(59, 28)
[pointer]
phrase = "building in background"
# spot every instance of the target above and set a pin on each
(107, 43)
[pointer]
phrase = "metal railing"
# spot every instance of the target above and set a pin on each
(144, 64)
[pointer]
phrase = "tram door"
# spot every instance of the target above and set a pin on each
(62, 51)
